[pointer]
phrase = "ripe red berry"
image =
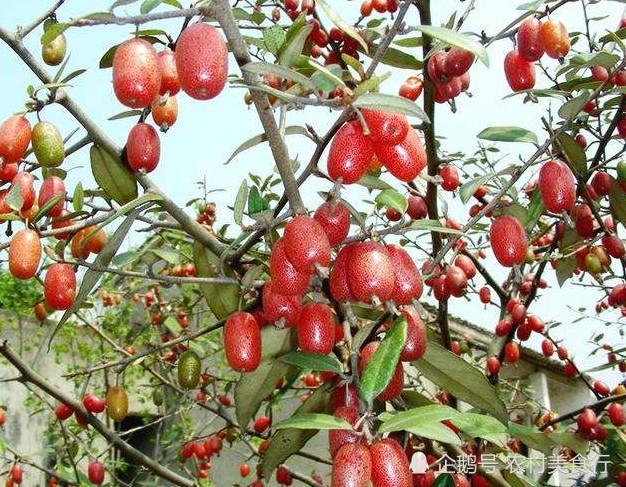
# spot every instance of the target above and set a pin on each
(557, 186)
(242, 342)
(616, 414)
(415, 344)
(508, 240)
(136, 73)
(493, 365)
(334, 218)
(338, 438)
(169, 73)
(316, 328)
(143, 148)
(394, 388)
(408, 281)
(283, 476)
(350, 154)
(93, 403)
(614, 246)
(286, 279)
(244, 470)
(520, 73)
(306, 243)
(586, 420)
(24, 254)
(52, 187)
(277, 306)
(390, 465)
(370, 272)
(404, 160)
(60, 286)
(63, 411)
(555, 38)
(417, 208)
(457, 62)
(485, 295)
(412, 88)
(95, 472)
(449, 178)
(15, 134)
(386, 127)
(529, 41)
(602, 183)
(338, 281)
(601, 388)
(262, 423)
(352, 466)
(25, 182)
(511, 352)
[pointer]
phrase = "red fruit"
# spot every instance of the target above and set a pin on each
(8, 170)
(455, 281)
(404, 160)
(244, 469)
(581, 140)
(242, 342)
(518, 313)
(352, 466)
(555, 38)
(529, 41)
(95, 472)
(586, 420)
(306, 243)
(283, 476)
(52, 186)
(316, 328)
(450, 178)
(493, 365)
(338, 281)
(165, 114)
(277, 306)
(143, 148)
(94, 404)
(262, 423)
(334, 218)
(59, 286)
(583, 220)
(621, 479)
(393, 215)
(24, 254)
(394, 388)
(485, 295)
(599, 73)
(616, 414)
(370, 272)
(15, 134)
(601, 388)
(412, 88)
(460, 480)
(338, 438)
(536, 324)
(344, 395)
(408, 281)
(466, 264)
(448, 90)
(390, 466)
(366, 8)
(286, 279)
(350, 154)
(569, 370)
(25, 182)
(62, 411)
(602, 183)
(614, 246)
(557, 186)
(457, 62)
(136, 73)
(415, 344)
(508, 240)
(201, 61)
(511, 352)
(417, 208)
(385, 127)
(520, 73)
(169, 73)
(380, 5)
(455, 348)
(435, 67)
(17, 474)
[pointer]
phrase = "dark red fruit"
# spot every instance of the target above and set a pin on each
(242, 342)
(408, 281)
(583, 220)
(390, 466)
(547, 348)
(51, 187)
(25, 182)
(59, 286)
(412, 88)
(338, 438)
(508, 240)
(136, 73)
(485, 295)
(457, 62)
(404, 160)
(602, 183)
(385, 127)
(352, 466)
(286, 279)
(435, 67)
(529, 41)
(417, 208)
(277, 306)
(370, 272)
(557, 186)
(334, 218)
(24, 254)
(493, 365)
(94, 404)
(520, 73)
(344, 395)
(350, 154)
(416, 341)
(338, 281)
(316, 328)
(511, 352)
(586, 420)
(614, 246)
(143, 148)
(95, 472)
(616, 414)
(63, 411)
(449, 178)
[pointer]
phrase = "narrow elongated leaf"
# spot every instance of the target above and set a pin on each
(372, 182)
(482, 426)
(617, 201)
(281, 72)
(444, 480)
(341, 24)
(240, 202)
(468, 189)
(106, 61)
(293, 47)
(313, 361)
(571, 108)
(399, 59)
(112, 176)
(52, 31)
(532, 437)
(415, 418)
(43, 211)
(390, 103)
(458, 39)
(535, 210)
(508, 134)
(574, 153)
(316, 421)
(565, 269)
(14, 198)
(78, 197)
(390, 198)
(257, 139)
(431, 226)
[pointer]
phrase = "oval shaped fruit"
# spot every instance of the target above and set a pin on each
(412, 88)
(435, 67)
(95, 472)
(408, 283)
(26, 184)
(405, 160)
(242, 342)
(48, 144)
(306, 243)
(457, 62)
(511, 352)
(165, 113)
(334, 218)
(614, 246)
(557, 186)
(189, 370)
(508, 241)
(277, 306)
(602, 183)
(350, 154)
(520, 74)
(201, 61)
(555, 38)
(169, 73)
(286, 279)
(370, 272)
(394, 388)
(8, 170)
(54, 51)
(416, 341)
(616, 414)
(24, 254)
(352, 466)
(586, 420)
(52, 187)
(15, 133)
(417, 208)
(583, 220)
(59, 287)
(143, 148)
(529, 41)
(390, 466)
(386, 127)
(316, 328)
(338, 281)
(94, 239)
(117, 403)
(449, 177)
(136, 73)
(338, 438)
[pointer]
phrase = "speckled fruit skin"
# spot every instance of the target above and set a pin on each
(338, 438)
(316, 328)
(277, 306)
(338, 281)
(344, 395)
(201, 61)
(117, 403)
(59, 287)
(511, 352)
(15, 135)
(52, 186)
(352, 466)
(583, 220)
(136, 73)
(520, 74)
(555, 38)
(334, 218)
(508, 240)
(408, 283)
(25, 181)
(390, 466)
(417, 207)
(557, 186)
(435, 67)
(286, 279)
(95, 472)
(350, 154)
(306, 243)
(188, 370)
(169, 73)
(405, 160)
(165, 114)
(48, 144)
(143, 148)
(394, 388)
(529, 41)
(602, 183)
(242, 342)
(24, 254)
(416, 342)
(449, 177)
(385, 127)
(370, 272)
(457, 62)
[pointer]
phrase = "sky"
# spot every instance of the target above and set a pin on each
(206, 133)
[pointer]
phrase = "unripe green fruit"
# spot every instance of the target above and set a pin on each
(53, 53)
(593, 264)
(189, 370)
(621, 171)
(48, 144)
(157, 396)
(117, 403)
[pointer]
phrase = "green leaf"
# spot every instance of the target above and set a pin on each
(455, 38)
(106, 61)
(390, 198)
(508, 134)
(370, 84)
(444, 480)
(462, 380)
(43, 211)
(313, 361)
(256, 203)
(571, 108)
(294, 45)
(240, 202)
(617, 202)
(565, 269)
(532, 438)
(149, 5)
(574, 153)
(280, 71)
(535, 210)
(168, 254)
(372, 182)
(399, 59)
(257, 139)
(273, 38)
(287, 442)
(53, 30)
(314, 421)
(78, 197)
(14, 198)
(390, 103)
(126, 114)
(414, 419)
(112, 176)
(468, 189)
(341, 24)
(431, 226)
(481, 426)
(326, 78)
(382, 365)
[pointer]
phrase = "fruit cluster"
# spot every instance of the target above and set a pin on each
(449, 71)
